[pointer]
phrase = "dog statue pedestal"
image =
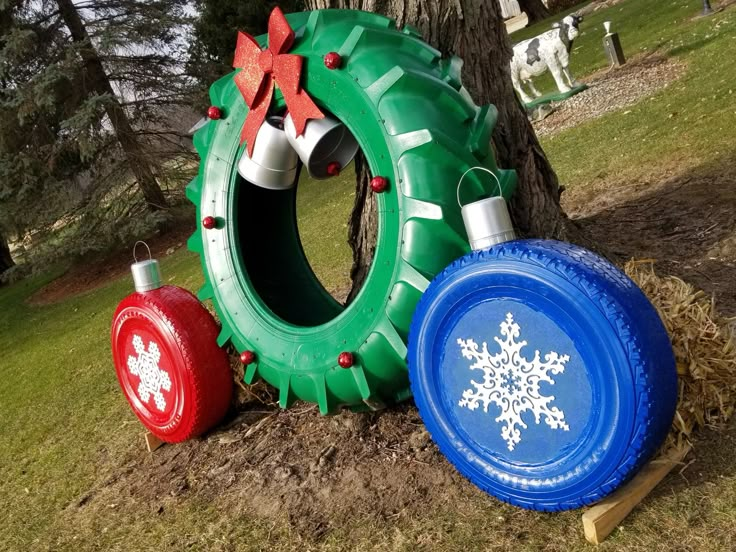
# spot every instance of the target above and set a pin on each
(555, 97)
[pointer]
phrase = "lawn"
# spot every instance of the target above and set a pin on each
(66, 428)
(690, 124)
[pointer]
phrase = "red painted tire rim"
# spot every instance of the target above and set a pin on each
(174, 376)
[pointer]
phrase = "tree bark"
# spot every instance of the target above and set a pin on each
(6, 261)
(138, 162)
(473, 30)
(534, 9)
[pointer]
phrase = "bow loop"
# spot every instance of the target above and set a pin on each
(259, 71)
(280, 33)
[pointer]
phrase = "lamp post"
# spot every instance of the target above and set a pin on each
(707, 10)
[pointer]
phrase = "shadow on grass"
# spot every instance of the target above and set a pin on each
(687, 223)
(693, 46)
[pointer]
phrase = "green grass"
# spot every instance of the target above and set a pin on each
(689, 124)
(62, 412)
(323, 210)
(65, 424)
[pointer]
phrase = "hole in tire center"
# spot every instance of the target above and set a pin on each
(323, 209)
(294, 245)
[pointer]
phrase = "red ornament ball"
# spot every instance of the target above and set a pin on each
(333, 60)
(214, 113)
(346, 360)
(209, 223)
(247, 357)
(334, 168)
(379, 184)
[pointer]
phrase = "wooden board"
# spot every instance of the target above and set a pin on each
(600, 520)
(152, 442)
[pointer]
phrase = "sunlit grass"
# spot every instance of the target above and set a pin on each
(65, 423)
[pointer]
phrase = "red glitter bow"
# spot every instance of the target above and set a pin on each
(260, 71)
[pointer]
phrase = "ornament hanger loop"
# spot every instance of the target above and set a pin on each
(136, 247)
(489, 171)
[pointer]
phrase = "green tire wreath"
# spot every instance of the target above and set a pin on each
(417, 127)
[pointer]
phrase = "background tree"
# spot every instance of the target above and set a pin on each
(92, 117)
(99, 83)
(534, 9)
(35, 96)
(6, 261)
(215, 34)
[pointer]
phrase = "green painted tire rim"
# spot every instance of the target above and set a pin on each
(417, 127)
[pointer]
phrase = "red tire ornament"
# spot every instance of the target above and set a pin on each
(379, 184)
(172, 372)
(346, 360)
(247, 358)
(334, 168)
(333, 60)
(214, 113)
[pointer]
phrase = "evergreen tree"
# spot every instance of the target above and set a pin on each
(216, 32)
(88, 93)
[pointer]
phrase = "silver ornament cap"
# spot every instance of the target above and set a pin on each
(487, 222)
(147, 273)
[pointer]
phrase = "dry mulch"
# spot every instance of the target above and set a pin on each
(704, 344)
(611, 91)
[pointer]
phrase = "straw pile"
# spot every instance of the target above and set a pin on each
(705, 349)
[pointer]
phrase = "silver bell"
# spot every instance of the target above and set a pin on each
(325, 141)
(487, 222)
(146, 274)
(274, 161)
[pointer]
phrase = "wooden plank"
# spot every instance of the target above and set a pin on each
(600, 520)
(152, 442)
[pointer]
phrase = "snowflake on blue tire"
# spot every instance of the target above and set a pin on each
(511, 382)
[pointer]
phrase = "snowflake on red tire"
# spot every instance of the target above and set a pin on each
(153, 378)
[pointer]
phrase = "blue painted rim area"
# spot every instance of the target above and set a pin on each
(562, 299)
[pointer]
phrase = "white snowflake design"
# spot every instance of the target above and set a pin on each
(153, 378)
(511, 382)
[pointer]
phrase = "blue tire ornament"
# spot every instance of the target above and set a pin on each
(542, 372)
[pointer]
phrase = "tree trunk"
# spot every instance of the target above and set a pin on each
(6, 261)
(534, 9)
(138, 162)
(473, 30)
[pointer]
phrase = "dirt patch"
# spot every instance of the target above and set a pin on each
(312, 472)
(686, 222)
(93, 272)
(599, 5)
(612, 91)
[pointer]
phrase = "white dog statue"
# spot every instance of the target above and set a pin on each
(550, 50)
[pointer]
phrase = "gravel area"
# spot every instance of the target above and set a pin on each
(611, 91)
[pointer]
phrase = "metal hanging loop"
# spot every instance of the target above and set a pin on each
(471, 169)
(135, 247)
(487, 221)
